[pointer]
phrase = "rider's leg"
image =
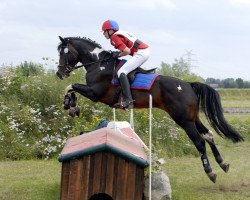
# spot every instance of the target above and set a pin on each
(123, 79)
(137, 60)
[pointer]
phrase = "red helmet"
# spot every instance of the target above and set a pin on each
(110, 24)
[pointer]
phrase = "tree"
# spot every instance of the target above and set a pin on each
(229, 83)
(212, 81)
(179, 69)
(239, 82)
(29, 69)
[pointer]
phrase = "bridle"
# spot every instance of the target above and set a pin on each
(73, 51)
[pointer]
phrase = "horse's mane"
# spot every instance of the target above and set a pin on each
(82, 39)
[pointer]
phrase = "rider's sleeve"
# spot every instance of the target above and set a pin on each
(117, 42)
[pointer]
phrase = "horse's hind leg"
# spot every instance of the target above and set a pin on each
(199, 143)
(207, 135)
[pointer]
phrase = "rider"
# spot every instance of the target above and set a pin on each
(127, 44)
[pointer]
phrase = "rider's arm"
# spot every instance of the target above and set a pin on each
(125, 52)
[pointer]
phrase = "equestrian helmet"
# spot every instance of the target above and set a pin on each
(110, 24)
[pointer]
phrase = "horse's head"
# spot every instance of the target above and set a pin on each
(74, 49)
(68, 58)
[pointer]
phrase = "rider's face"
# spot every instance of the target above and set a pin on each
(106, 35)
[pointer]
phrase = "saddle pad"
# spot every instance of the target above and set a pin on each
(141, 81)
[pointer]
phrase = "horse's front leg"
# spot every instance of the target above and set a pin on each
(70, 102)
(70, 99)
(91, 92)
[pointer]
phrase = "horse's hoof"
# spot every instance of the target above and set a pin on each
(212, 176)
(77, 111)
(72, 104)
(73, 99)
(66, 107)
(66, 102)
(72, 112)
(225, 167)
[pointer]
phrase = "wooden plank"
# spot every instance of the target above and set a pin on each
(85, 177)
(131, 177)
(120, 185)
(91, 175)
(97, 173)
(110, 174)
(125, 179)
(64, 181)
(78, 179)
(139, 183)
(72, 179)
(103, 172)
(114, 193)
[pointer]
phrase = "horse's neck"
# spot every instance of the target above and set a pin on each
(98, 62)
(102, 61)
(103, 70)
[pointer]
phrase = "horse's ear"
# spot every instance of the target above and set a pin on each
(62, 40)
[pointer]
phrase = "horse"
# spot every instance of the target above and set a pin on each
(181, 100)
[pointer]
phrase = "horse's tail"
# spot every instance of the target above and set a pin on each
(210, 103)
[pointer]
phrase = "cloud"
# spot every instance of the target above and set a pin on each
(217, 31)
(144, 4)
(156, 3)
(239, 2)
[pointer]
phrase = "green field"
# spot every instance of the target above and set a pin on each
(29, 180)
(235, 98)
(40, 180)
(189, 182)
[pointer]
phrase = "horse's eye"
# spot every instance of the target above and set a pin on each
(66, 50)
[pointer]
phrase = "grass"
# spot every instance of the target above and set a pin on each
(243, 103)
(189, 182)
(29, 180)
(40, 180)
(236, 98)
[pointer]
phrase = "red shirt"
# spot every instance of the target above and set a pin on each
(121, 42)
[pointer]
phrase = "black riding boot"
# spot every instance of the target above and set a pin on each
(123, 79)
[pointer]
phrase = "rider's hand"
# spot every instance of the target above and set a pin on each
(116, 54)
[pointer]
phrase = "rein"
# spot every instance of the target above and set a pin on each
(72, 50)
(97, 61)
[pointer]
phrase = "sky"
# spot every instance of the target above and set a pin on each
(213, 35)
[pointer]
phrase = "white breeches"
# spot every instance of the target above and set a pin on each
(137, 60)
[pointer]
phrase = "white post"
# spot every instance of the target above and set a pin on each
(150, 145)
(132, 119)
(114, 117)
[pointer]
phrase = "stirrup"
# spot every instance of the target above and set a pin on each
(128, 104)
(125, 104)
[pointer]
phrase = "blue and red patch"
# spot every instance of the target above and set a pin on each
(141, 82)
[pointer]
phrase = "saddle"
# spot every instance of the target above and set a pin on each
(131, 75)
(139, 79)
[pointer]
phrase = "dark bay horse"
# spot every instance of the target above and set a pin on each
(180, 99)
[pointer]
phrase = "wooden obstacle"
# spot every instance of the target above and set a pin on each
(106, 164)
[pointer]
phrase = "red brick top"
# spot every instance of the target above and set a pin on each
(120, 141)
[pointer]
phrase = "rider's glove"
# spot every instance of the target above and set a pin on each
(116, 54)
